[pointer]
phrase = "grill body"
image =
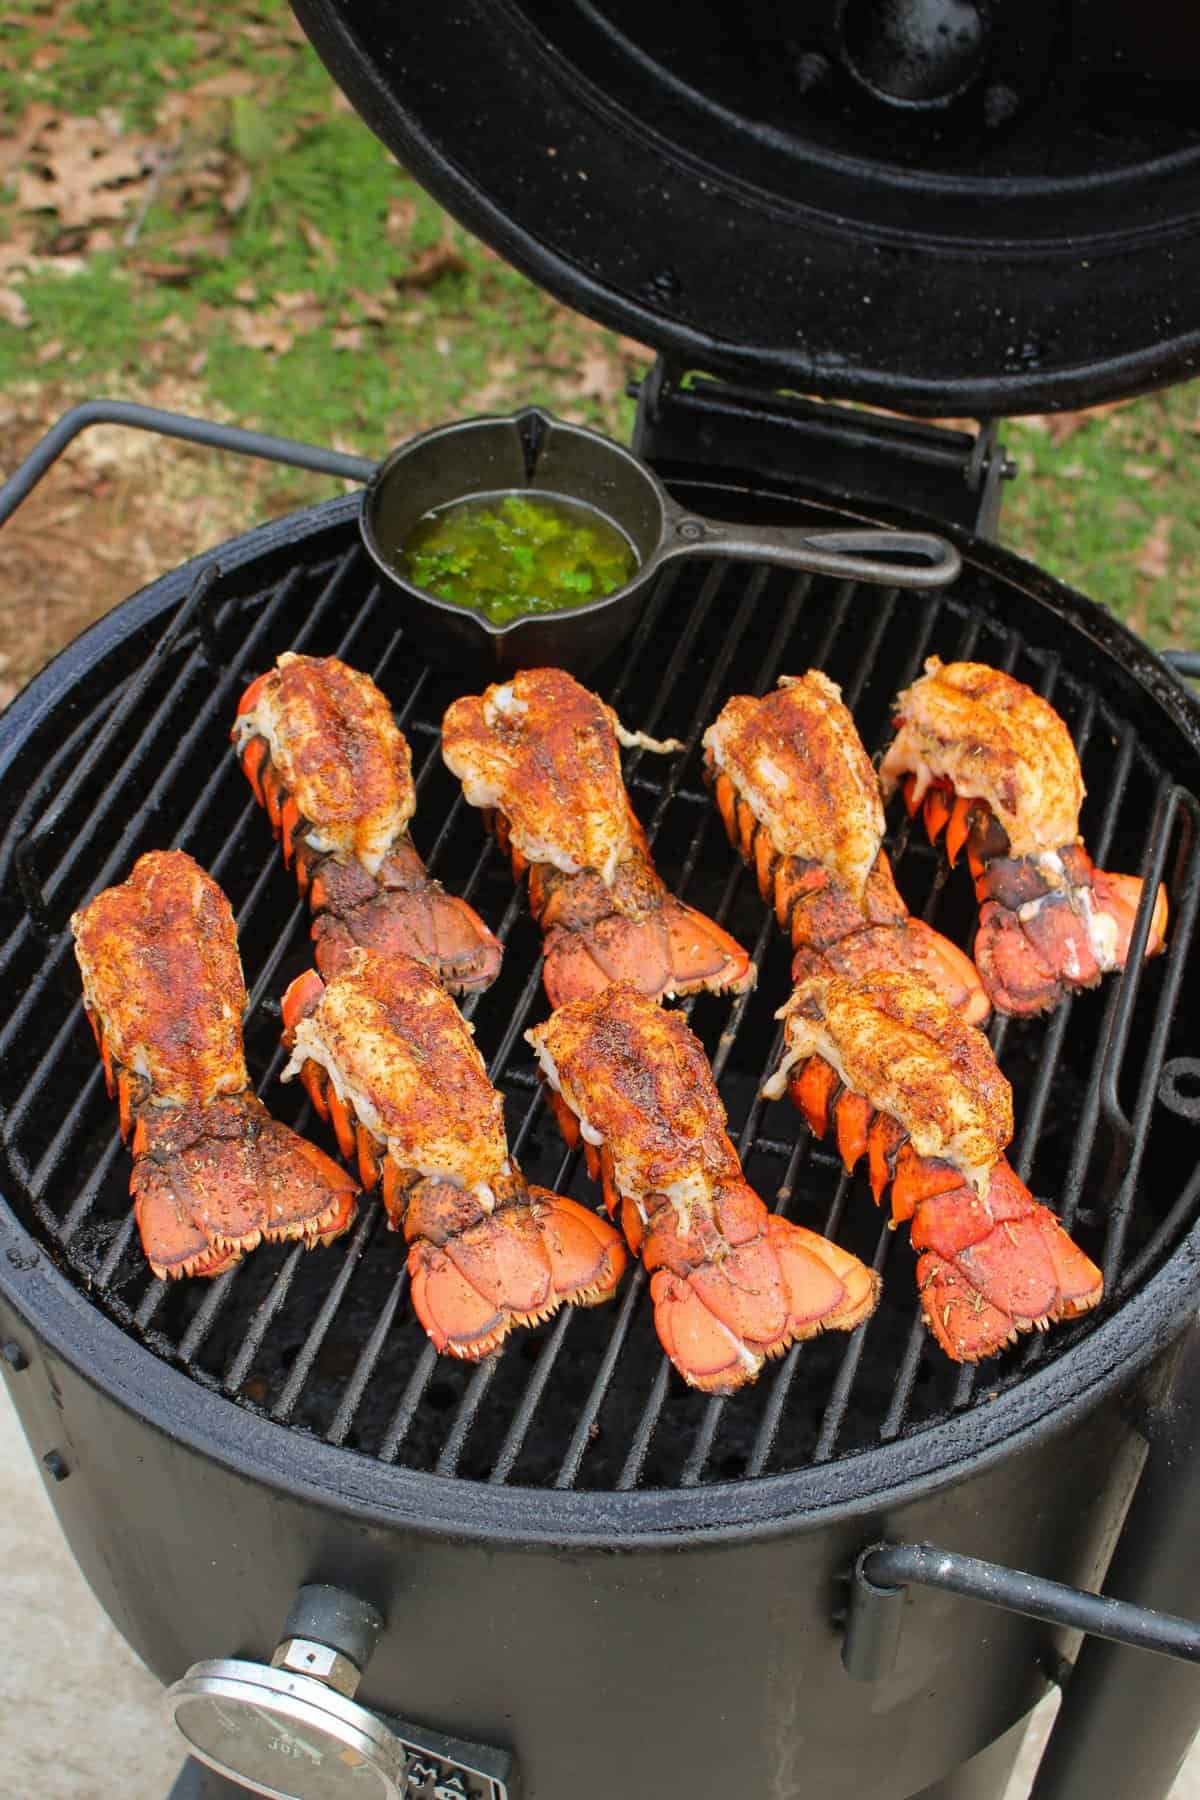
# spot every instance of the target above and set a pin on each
(563, 1538)
(701, 1664)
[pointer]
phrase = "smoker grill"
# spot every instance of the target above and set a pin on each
(570, 1569)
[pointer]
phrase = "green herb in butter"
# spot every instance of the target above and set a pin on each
(511, 554)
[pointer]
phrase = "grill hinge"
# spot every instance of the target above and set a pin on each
(688, 419)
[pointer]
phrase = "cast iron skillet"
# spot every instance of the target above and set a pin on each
(533, 450)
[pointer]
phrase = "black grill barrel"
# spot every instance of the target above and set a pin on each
(1127, 1721)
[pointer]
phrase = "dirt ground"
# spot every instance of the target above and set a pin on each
(119, 508)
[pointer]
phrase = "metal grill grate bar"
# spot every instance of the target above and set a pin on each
(369, 1216)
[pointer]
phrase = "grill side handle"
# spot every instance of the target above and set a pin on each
(234, 438)
(883, 1572)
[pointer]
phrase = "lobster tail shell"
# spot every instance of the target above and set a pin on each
(832, 932)
(635, 931)
(1039, 938)
(743, 1285)
(477, 1274)
(988, 1267)
(400, 910)
(481, 1261)
(210, 1184)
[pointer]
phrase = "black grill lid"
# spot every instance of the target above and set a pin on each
(941, 206)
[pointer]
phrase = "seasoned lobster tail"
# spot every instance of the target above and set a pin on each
(744, 1285)
(400, 911)
(214, 1175)
(989, 1266)
(594, 933)
(540, 756)
(993, 767)
(366, 884)
(210, 1184)
(832, 933)
(1048, 924)
(483, 1258)
(732, 1283)
(477, 1274)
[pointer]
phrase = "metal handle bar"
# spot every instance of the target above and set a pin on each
(177, 425)
(883, 1571)
(1184, 662)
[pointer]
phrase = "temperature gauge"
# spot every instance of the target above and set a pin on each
(285, 1734)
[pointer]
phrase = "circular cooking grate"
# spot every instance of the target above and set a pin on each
(123, 746)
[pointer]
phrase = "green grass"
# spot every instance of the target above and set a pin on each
(362, 351)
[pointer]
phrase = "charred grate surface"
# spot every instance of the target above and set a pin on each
(136, 755)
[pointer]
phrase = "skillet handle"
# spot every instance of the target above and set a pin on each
(858, 554)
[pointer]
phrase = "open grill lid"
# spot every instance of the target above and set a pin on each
(940, 206)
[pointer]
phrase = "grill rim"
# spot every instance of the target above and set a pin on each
(1045, 1403)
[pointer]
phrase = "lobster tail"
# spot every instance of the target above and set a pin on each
(401, 911)
(483, 1258)
(989, 1266)
(633, 930)
(743, 1284)
(1048, 924)
(1042, 936)
(833, 933)
(480, 1269)
(344, 827)
(211, 1183)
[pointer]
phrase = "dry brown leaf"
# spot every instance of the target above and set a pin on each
(401, 217)
(1065, 424)
(50, 352)
(238, 192)
(307, 318)
(1140, 471)
(260, 331)
(201, 244)
(14, 149)
(1154, 558)
(600, 378)
(13, 309)
(318, 243)
(372, 306)
(169, 274)
(296, 300)
(496, 392)
(348, 337)
(245, 291)
(85, 171)
(227, 86)
(18, 252)
(442, 258)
